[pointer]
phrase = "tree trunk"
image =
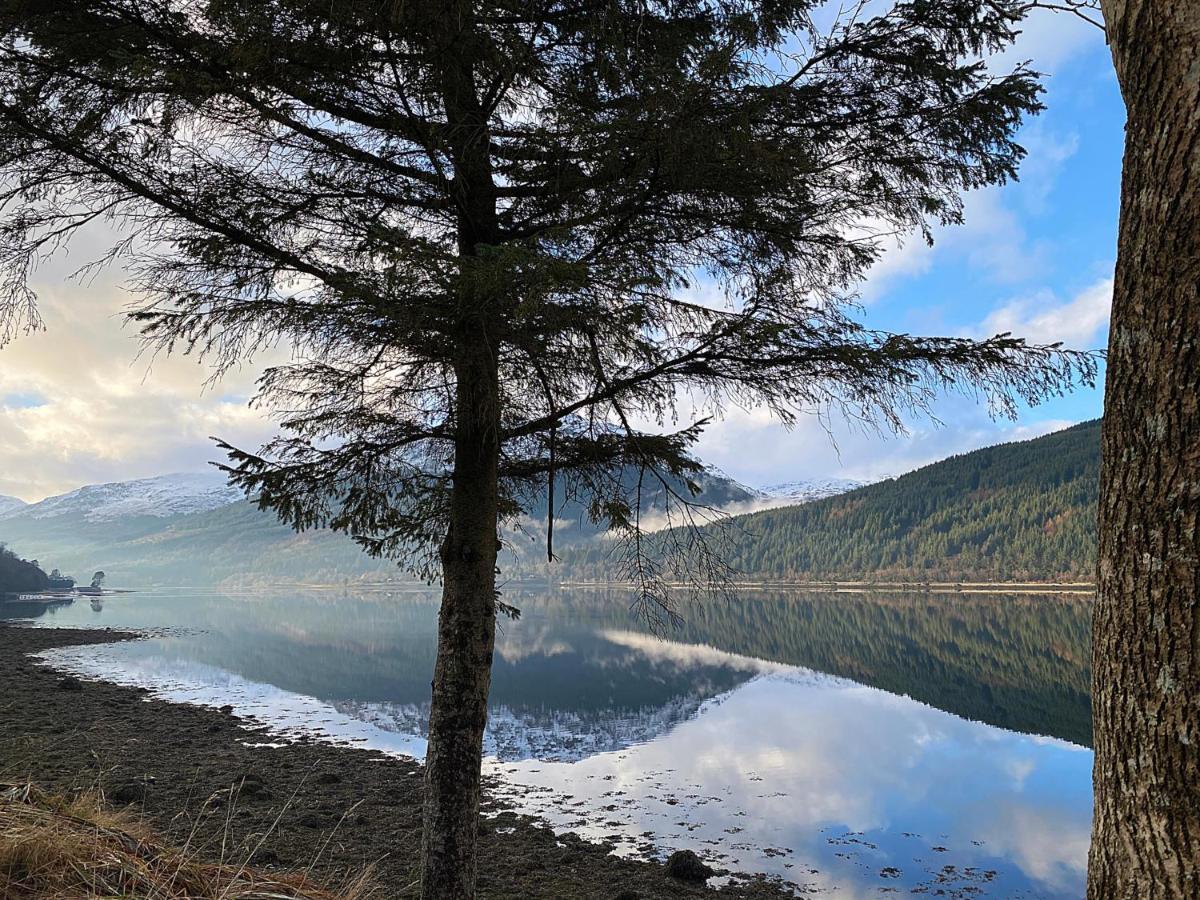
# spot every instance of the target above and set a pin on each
(462, 675)
(466, 638)
(1146, 644)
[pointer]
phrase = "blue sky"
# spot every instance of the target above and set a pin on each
(78, 405)
(1034, 257)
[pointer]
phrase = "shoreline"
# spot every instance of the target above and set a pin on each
(868, 587)
(1084, 588)
(220, 783)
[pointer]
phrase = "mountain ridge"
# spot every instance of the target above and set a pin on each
(160, 496)
(10, 504)
(1021, 511)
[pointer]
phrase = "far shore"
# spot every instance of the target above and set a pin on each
(866, 587)
(1082, 588)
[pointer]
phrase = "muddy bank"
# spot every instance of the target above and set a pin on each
(336, 809)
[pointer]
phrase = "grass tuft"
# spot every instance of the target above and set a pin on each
(54, 848)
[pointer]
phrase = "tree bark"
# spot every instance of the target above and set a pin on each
(467, 620)
(466, 639)
(1146, 643)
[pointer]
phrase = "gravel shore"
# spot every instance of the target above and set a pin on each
(196, 776)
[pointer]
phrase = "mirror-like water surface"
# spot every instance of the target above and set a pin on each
(854, 745)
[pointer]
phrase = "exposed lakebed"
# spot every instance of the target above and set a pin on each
(852, 745)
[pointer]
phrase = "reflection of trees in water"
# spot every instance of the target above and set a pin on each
(1012, 661)
(26, 609)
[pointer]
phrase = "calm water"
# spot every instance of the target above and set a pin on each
(852, 745)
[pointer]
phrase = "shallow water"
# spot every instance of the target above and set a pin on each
(852, 745)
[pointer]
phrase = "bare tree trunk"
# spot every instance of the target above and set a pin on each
(462, 674)
(1146, 648)
(466, 638)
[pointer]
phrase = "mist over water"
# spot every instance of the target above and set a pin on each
(857, 745)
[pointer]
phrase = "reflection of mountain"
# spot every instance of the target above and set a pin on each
(560, 688)
(601, 728)
(1019, 663)
(539, 732)
(29, 609)
(824, 783)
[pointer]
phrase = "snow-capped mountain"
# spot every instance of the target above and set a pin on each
(806, 491)
(10, 504)
(165, 495)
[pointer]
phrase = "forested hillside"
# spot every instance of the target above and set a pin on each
(1020, 511)
(1016, 511)
(1011, 512)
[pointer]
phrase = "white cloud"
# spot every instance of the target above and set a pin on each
(756, 450)
(1047, 154)
(1042, 318)
(78, 406)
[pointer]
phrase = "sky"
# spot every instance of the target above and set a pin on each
(79, 405)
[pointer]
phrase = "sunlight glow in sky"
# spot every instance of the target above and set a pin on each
(1035, 258)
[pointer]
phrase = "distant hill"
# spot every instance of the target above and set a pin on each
(1015, 511)
(193, 530)
(805, 491)
(160, 497)
(10, 504)
(1021, 511)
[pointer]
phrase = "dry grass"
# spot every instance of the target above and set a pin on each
(54, 848)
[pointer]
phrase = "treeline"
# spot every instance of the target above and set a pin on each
(1021, 511)
(1013, 512)
(18, 576)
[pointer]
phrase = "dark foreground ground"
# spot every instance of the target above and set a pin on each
(336, 809)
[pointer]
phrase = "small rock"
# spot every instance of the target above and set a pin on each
(214, 728)
(264, 856)
(310, 820)
(687, 866)
(329, 778)
(127, 793)
(70, 683)
(227, 709)
(255, 791)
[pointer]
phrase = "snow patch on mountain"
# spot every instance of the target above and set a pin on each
(161, 497)
(10, 504)
(805, 491)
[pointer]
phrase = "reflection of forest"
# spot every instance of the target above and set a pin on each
(1012, 661)
(30, 609)
(1019, 662)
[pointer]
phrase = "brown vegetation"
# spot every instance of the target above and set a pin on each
(55, 847)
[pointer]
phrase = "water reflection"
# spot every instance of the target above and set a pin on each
(726, 738)
(834, 785)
